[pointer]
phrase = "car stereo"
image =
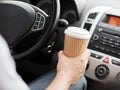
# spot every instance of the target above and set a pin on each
(104, 25)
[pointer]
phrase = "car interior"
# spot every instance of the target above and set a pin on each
(34, 31)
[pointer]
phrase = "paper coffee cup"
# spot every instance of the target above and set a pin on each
(76, 41)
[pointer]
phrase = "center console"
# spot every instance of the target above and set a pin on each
(104, 25)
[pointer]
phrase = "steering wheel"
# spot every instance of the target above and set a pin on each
(25, 27)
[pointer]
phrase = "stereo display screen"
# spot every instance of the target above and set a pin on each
(114, 20)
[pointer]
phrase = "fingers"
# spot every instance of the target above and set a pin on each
(73, 66)
(83, 58)
(84, 55)
(60, 53)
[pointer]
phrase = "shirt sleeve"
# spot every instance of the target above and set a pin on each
(9, 78)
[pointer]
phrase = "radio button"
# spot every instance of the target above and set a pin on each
(96, 46)
(104, 37)
(104, 40)
(109, 42)
(103, 43)
(112, 45)
(111, 39)
(112, 51)
(117, 44)
(100, 29)
(119, 54)
(95, 37)
(96, 56)
(116, 41)
(102, 48)
(107, 50)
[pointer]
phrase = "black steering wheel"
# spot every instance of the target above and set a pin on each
(25, 27)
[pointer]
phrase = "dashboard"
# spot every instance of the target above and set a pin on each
(103, 23)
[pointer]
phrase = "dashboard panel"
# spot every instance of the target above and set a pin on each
(103, 24)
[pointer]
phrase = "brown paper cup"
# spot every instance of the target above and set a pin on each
(74, 45)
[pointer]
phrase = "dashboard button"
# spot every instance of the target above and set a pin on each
(103, 43)
(104, 37)
(96, 46)
(115, 62)
(106, 60)
(95, 37)
(102, 48)
(102, 71)
(117, 44)
(96, 56)
(111, 39)
(116, 41)
(110, 42)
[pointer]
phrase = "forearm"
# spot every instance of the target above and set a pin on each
(61, 82)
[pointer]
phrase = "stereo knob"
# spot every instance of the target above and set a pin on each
(101, 71)
(95, 37)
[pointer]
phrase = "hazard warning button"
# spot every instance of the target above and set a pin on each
(106, 60)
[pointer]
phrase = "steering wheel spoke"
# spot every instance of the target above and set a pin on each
(40, 20)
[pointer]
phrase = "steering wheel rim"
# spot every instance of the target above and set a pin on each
(46, 35)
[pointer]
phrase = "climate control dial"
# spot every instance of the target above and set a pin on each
(102, 71)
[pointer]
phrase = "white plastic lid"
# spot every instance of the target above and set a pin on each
(77, 32)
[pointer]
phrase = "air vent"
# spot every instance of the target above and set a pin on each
(87, 26)
(92, 15)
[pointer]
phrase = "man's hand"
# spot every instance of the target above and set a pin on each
(69, 70)
(72, 68)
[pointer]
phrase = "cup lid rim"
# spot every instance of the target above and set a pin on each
(77, 32)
